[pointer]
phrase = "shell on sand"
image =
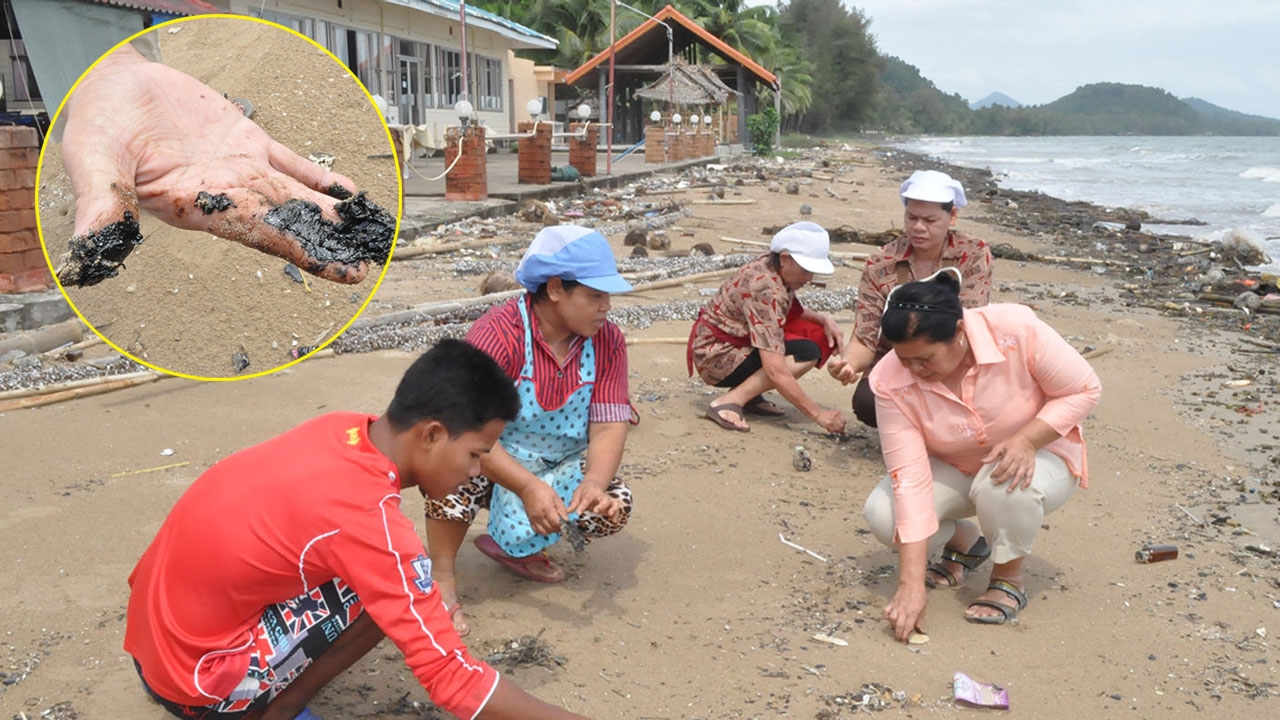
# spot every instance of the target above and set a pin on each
(498, 281)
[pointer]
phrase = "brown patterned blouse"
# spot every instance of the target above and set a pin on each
(968, 254)
(752, 304)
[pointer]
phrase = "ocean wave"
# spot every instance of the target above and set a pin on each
(1273, 211)
(1265, 174)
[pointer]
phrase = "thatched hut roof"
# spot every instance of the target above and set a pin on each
(685, 84)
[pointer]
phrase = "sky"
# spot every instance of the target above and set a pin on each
(1224, 51)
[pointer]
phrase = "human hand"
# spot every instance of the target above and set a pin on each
(544, 507)
(1015, 460)
(835, 338)
(138, 134)
(905, 612)
(832, 420)
(843, 370)
(589, 497)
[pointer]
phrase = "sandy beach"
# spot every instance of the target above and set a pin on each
(699, 610)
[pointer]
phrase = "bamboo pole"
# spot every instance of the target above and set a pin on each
(84, 388)
(415, 251)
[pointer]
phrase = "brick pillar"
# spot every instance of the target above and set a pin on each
(655, 144)
(582, 151)
(22, 264)
(469, 179)
(708, 141)
(675, 145)
(535, 154)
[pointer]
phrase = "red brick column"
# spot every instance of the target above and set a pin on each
(535, 154)
(22, 265)
(708, 141)
(675, 145)
(469, 179)
(582, 151)
(655, 144)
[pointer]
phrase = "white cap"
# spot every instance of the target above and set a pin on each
(932, 186)
(808, 244)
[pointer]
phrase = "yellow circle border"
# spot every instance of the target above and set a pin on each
(53, 123)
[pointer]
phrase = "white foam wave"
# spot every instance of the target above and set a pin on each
(1273, 211)
(1265, 174)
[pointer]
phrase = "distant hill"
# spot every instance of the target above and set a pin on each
(910, 102)
(1234, 123)
(995, 98)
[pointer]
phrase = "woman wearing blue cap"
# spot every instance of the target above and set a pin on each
(554, 468)
(931, 202)
(755, 335)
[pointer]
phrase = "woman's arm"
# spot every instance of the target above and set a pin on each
(541, 503)
(604, 455)
(906, 610)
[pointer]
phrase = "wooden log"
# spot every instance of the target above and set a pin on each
(44, 339)
(724, 202)
(833, 253)
(83, 388)
(417, 251)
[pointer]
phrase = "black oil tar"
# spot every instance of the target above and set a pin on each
(100, 255)
(210, 204)
(366, 231)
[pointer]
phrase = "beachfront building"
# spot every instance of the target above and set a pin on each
(652, 51)
(50, 43)
(409, 53)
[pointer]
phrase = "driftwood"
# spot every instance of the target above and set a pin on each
(80, 388)
(1266, 308)
(724, 202)
(833, 253)
(416, 251)
(833, 194)
(44, 339)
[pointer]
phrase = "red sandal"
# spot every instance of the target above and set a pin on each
(537, 567)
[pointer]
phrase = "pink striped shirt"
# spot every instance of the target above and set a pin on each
(500, 334)
(1024, 370)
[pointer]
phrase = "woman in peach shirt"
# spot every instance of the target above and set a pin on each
(980, 412)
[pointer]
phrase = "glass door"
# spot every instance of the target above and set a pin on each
(411, 90)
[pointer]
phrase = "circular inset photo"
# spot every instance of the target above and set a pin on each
(219, 197)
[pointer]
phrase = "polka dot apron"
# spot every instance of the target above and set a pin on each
(548, 443)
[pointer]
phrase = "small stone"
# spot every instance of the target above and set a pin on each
(917, 639)
(806, 210)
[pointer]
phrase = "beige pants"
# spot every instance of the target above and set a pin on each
(1009, 520)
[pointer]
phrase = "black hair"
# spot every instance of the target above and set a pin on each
(775, 261)
(924, 308)
(947, 206)
(540, 295)
(456, 384)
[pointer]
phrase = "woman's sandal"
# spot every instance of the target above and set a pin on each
(1007, 612)
(969, 560)
(536, 567)
(759, 405)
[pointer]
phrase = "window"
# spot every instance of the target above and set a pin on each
(488, 83)
(22, 85)
(450, 77)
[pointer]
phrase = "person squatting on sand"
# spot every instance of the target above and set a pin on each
(980, 414)
(931, 202)
(285, 563)
(754, 335)
(555, 467)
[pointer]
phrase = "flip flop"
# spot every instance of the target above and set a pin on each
(1007, 612)
(306, 714)
(969, 560)
(758, 405)
(524, 567)
(714, 414)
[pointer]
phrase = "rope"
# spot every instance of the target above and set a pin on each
(409, 164)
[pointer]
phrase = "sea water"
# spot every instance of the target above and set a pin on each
(1227, 182)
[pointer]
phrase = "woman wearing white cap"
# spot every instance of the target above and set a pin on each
(554, 468)
(932, 201)
(755, 335)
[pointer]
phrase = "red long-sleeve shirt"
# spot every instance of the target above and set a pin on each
(266, 525)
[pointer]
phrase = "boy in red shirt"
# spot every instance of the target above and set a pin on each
(285, 563)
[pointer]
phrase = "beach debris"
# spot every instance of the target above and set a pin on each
(240, 360)
(573, 534)
(917, 638)
(970, 692)
(659, 240)
(323, 159)
(166, 452)
(498, 281)
(870, 697)
(801, 548)
(210, 204)
(823, 637)
(636, 237)
(639, 251)
(538, 211)
(800, 459)
(525, 650)
(703, 248)
(1156, 552)
(293, 272)
(793, 188)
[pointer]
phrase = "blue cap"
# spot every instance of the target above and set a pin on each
(570, 252)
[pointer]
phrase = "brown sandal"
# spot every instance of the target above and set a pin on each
(715, 413)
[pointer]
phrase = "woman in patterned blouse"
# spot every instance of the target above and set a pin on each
(932, 201)
(755, 336)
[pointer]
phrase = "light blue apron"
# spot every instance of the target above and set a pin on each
(548, 443)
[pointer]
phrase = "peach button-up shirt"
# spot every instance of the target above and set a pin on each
(1024, 370)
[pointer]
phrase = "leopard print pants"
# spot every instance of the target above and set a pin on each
(463, 504)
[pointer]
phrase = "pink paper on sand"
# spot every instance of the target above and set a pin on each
(971, 692)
